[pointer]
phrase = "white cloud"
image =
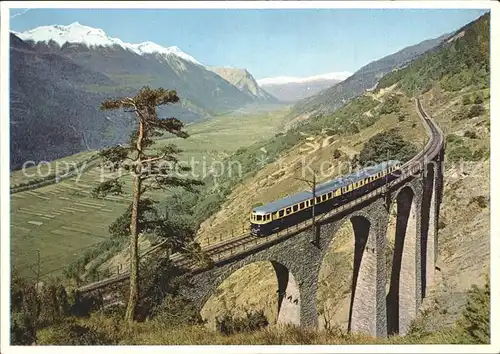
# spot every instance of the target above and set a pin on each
(19, 13)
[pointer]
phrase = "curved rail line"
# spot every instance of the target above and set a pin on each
(244, 244)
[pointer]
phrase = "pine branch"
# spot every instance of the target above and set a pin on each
(113, 186)
(167, 182)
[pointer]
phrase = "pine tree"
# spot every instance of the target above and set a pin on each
(150, 169)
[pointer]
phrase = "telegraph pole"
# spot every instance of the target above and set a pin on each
(387, 168)
(386, 193)
(312, 184)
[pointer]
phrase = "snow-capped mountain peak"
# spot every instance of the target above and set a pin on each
(73, 33)
(151, 48)
(92, 37)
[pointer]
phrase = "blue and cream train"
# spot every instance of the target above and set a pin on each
(283, 213)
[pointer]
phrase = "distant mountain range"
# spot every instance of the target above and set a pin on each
(60, 75)
(292, 89)
(329, 100)
(82, 61)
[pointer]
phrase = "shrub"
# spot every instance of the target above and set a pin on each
(34, 308)
(390, 105)
(460, 152)
(251, 322)
(466, 100)
(478, 99)
(475, 321)
(470, 134)
(452, 138)
(475, 110)
(480, 154)
(480, 201)
(176, 310)
(22, 329)
(461, 114)
(387, 144)
(72, 333)
(54, 305)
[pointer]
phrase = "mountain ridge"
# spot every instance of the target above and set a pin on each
(244, 81)
(329, 100)
(91, 36)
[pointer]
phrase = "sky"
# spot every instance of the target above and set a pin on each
(267, 42)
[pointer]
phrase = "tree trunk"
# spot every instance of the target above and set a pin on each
(134, 257)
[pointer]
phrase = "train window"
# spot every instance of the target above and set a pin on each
(259, 217)
(318, 199)
(281, 213)
(288, 210)
(268, 216)
(323, 197)
(302, 205)
(295, 208)
(330, 195)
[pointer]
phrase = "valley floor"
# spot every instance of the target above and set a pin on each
(62, 220)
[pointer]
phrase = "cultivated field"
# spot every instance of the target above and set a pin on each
(62, 220)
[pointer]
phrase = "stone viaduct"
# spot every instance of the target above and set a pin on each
(297, 257)
(373, 310)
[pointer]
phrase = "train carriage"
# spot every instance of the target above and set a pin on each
(283, 213)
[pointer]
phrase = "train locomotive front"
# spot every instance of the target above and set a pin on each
(291, 210)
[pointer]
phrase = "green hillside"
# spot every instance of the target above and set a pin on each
(66, 224)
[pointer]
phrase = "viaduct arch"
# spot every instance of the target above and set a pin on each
(296, 262)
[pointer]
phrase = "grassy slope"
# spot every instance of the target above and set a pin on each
(62, 219)
(118, 332)
(278, 179)
(464, 241)
(464, 234)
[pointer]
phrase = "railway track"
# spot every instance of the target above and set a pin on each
(234, 247)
